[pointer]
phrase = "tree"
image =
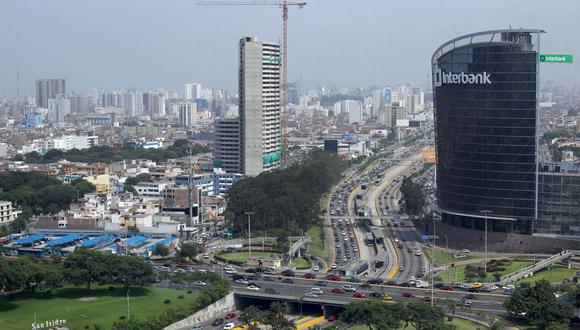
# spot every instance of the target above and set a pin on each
(190, 250)
(276, 318)
(84, 267)
(539, 304)
(127, 270)
(373, 314)
(497, 276)
(250, 314)
(414, 196)
(497, 325)
(422, 315)
(557, 326)
(161, 250)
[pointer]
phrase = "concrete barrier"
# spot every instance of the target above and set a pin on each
(221, 306)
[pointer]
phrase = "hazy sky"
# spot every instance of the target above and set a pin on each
(148, 44)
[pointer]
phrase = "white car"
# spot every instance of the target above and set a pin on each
(253, 288)
(316, 268)
(230, 270)
(241, 281)
(348, 288)
(418, 253)
(228, 326)
(396, 240)
(465, 251)
(200, 283)
(333, 266)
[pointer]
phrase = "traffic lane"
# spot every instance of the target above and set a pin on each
(490, 303)
(397, 290)
(208, 324)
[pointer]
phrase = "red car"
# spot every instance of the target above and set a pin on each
(407, 295)
(310, 275)
(358, 294)
(230, 316)
(337, 290)
(447, 288)
(333, 277)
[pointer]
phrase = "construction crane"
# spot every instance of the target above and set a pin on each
(284, 4)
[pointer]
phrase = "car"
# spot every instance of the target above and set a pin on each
(197, 327)
(287, 281)
(447, 288)
(426, 298)
(310, 275)
(288, 273)
(365, 286)
(230, 316)
(228, 326)
(407, 295)
(272, 291)
(348, 288)
(466, 302)
(217, 322)
(358, 294)
(396, 240)
(316, 291)
(464, 251)
(311, 295)
(391, 282)
(337, 290)
(321, 283)
(386, 297)
(206, 255)
(200, 283)
(418, 253)
(333, 266)
(410, 250)
(375, 281)
(253, 287)
(316, 268)
(375, 294)
(333, 277)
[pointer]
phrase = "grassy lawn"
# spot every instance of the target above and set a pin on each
(243, 256)
(509, 268)
(461, 324)
(81, 307)
(301, 263)
(557, 274)
(443, 257)
(317, 245)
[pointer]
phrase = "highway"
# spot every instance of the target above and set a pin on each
(488, 302)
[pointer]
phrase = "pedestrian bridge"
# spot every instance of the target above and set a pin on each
(565, 255)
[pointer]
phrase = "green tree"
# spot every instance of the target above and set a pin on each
(250, 314)
(373, 314)
(497, 325)
(127, 270)
(84, 267)
(276, 318)
(423, 316)
(558, 326)
(162, 251)
(190, 250)
(539, 304)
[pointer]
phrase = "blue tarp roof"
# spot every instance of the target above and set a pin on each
(98, 241)
(30, 239)
(137, 240)
(164, 241)
(64, 240)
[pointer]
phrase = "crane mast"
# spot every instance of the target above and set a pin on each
(284, 5)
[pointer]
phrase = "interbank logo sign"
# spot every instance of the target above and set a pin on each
(445, 78)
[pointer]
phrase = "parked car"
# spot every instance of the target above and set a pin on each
(217, 322)
(230, 316)
(228, 326)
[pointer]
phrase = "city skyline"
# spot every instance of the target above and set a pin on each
(329, 45)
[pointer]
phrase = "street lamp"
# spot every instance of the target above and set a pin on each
(486, 212)
(433, 258)
(249, 214)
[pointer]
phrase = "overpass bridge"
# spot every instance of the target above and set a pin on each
(565, 255)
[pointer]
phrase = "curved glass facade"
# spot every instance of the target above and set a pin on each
(485, 126)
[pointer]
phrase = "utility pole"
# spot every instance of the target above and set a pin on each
(190, 192)
(249, 214)
(486, 212)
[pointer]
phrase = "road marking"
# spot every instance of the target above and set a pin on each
(310, 322)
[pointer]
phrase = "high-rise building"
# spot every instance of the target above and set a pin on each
(133, 104)
(192, 91)
(48, 89)
(154, 104)
(226, 152)
(259, 106)
(485, 98)
(58, 109)
(79, 105)
(187, 114)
